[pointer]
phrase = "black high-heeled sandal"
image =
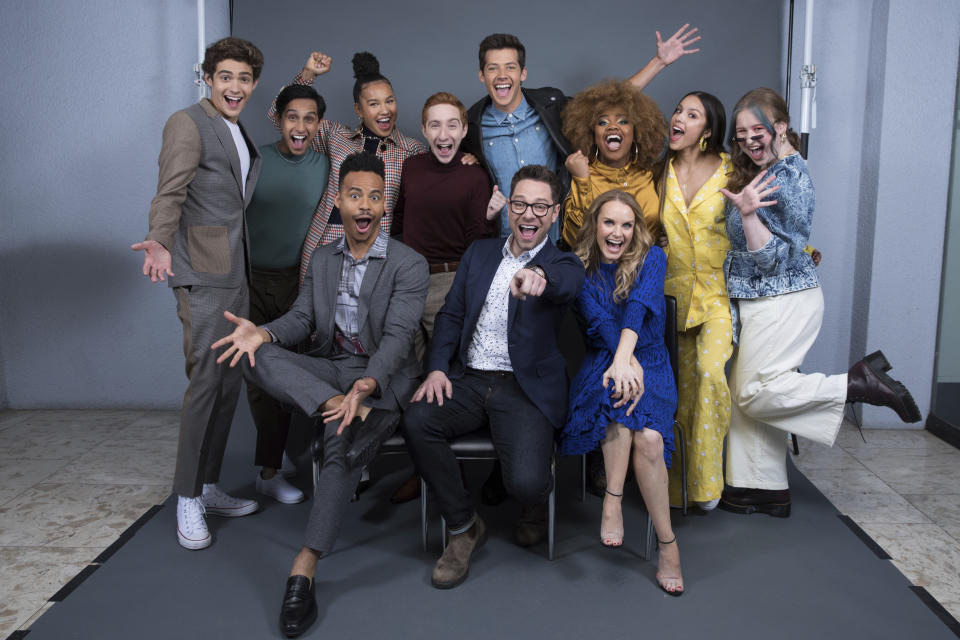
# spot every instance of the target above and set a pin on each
(675, 593)
(610, 535)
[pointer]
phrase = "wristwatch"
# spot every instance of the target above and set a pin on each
(540, 272)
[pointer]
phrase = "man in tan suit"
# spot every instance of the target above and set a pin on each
(208, 170)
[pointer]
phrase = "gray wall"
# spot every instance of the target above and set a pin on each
(948, 355)
(880, 159)
(425, 46)
(87, 88)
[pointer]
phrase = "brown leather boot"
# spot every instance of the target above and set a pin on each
(452, 567)
(868, 382)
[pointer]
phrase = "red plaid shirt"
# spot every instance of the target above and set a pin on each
(338, 141)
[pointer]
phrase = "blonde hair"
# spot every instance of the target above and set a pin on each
(631, 261)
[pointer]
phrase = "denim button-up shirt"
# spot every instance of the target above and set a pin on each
(514, 140)
(781, 265)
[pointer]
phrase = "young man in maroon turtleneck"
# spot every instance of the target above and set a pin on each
(443, 206)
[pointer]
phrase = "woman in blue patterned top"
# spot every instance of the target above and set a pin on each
(624, 397)
(775, 295)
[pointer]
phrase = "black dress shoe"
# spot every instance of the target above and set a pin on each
(867, 381)
(493, 492)
(772, 502)
(366, 436)
(533, 525)
(299, 609)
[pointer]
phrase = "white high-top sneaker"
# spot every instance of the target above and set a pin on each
(219, 503)
(191, 526)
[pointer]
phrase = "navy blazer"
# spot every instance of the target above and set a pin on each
(533, 323)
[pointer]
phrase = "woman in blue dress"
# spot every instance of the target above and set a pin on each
(623, 397)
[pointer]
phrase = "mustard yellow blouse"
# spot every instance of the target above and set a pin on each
(630, 179)
(698, 244)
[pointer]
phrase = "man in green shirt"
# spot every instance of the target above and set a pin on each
(292, 180)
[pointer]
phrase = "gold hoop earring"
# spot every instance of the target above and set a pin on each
(702, 143)
(636, 151)
(596, 152)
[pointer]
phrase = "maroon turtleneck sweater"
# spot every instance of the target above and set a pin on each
(442, 208)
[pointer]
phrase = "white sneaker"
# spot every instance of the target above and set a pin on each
(279, 489)
(191, 526)
(709, 505)
(219, 503)
(288, 469)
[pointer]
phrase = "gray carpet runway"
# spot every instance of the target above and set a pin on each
(808, 576)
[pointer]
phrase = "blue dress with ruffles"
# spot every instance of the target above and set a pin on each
(591, 408)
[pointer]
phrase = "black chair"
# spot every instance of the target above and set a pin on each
(394, 445)
(479, 446)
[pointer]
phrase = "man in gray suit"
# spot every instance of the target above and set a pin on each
(197, 237)
(363, 298)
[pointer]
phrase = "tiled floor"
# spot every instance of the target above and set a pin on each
(74, 480)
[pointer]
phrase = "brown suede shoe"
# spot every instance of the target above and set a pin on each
(452, 567)
(868, 382)
(532, 525)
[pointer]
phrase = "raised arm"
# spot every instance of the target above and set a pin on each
(317, 64)
(668, 52)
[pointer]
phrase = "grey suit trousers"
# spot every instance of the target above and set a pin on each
(212, 392)
(305, 383)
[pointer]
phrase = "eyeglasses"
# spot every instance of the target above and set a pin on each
(519, 207)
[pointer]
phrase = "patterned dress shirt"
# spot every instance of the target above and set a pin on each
(347, 330)
(488, 350)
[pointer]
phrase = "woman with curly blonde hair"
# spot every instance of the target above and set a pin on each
(618, 133)
(623, 398)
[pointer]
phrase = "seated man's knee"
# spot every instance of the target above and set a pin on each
(527, 484)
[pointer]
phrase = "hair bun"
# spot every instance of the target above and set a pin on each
(365, 64)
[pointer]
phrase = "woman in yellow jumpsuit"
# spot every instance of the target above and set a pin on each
(689, 179)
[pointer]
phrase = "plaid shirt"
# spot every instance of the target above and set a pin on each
(346, 314)
(338, 141)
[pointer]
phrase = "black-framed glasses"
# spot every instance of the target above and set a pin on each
(519, 207)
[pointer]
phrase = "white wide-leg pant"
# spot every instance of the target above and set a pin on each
(770, 397)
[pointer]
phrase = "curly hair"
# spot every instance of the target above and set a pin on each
(631, 262)
(232, 49)
(769, 108)
(649, 125)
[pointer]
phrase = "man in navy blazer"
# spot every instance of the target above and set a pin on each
(494, 361)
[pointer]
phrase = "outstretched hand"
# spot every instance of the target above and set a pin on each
(437, 385)
(753, 195)
(497, 202)
(245, 339)
(672, 49)
(527, 282)
(156, 260)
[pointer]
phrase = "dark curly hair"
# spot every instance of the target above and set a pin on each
(232, 49)
(366, 69)
(649, 125)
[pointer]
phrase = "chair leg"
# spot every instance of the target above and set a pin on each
(423, 513)
(552, 509)
(583, 477)
(650, 540)
(443, 533)
(796, 445)
(683, 465)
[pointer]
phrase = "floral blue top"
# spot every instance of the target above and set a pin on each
(780, 266)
